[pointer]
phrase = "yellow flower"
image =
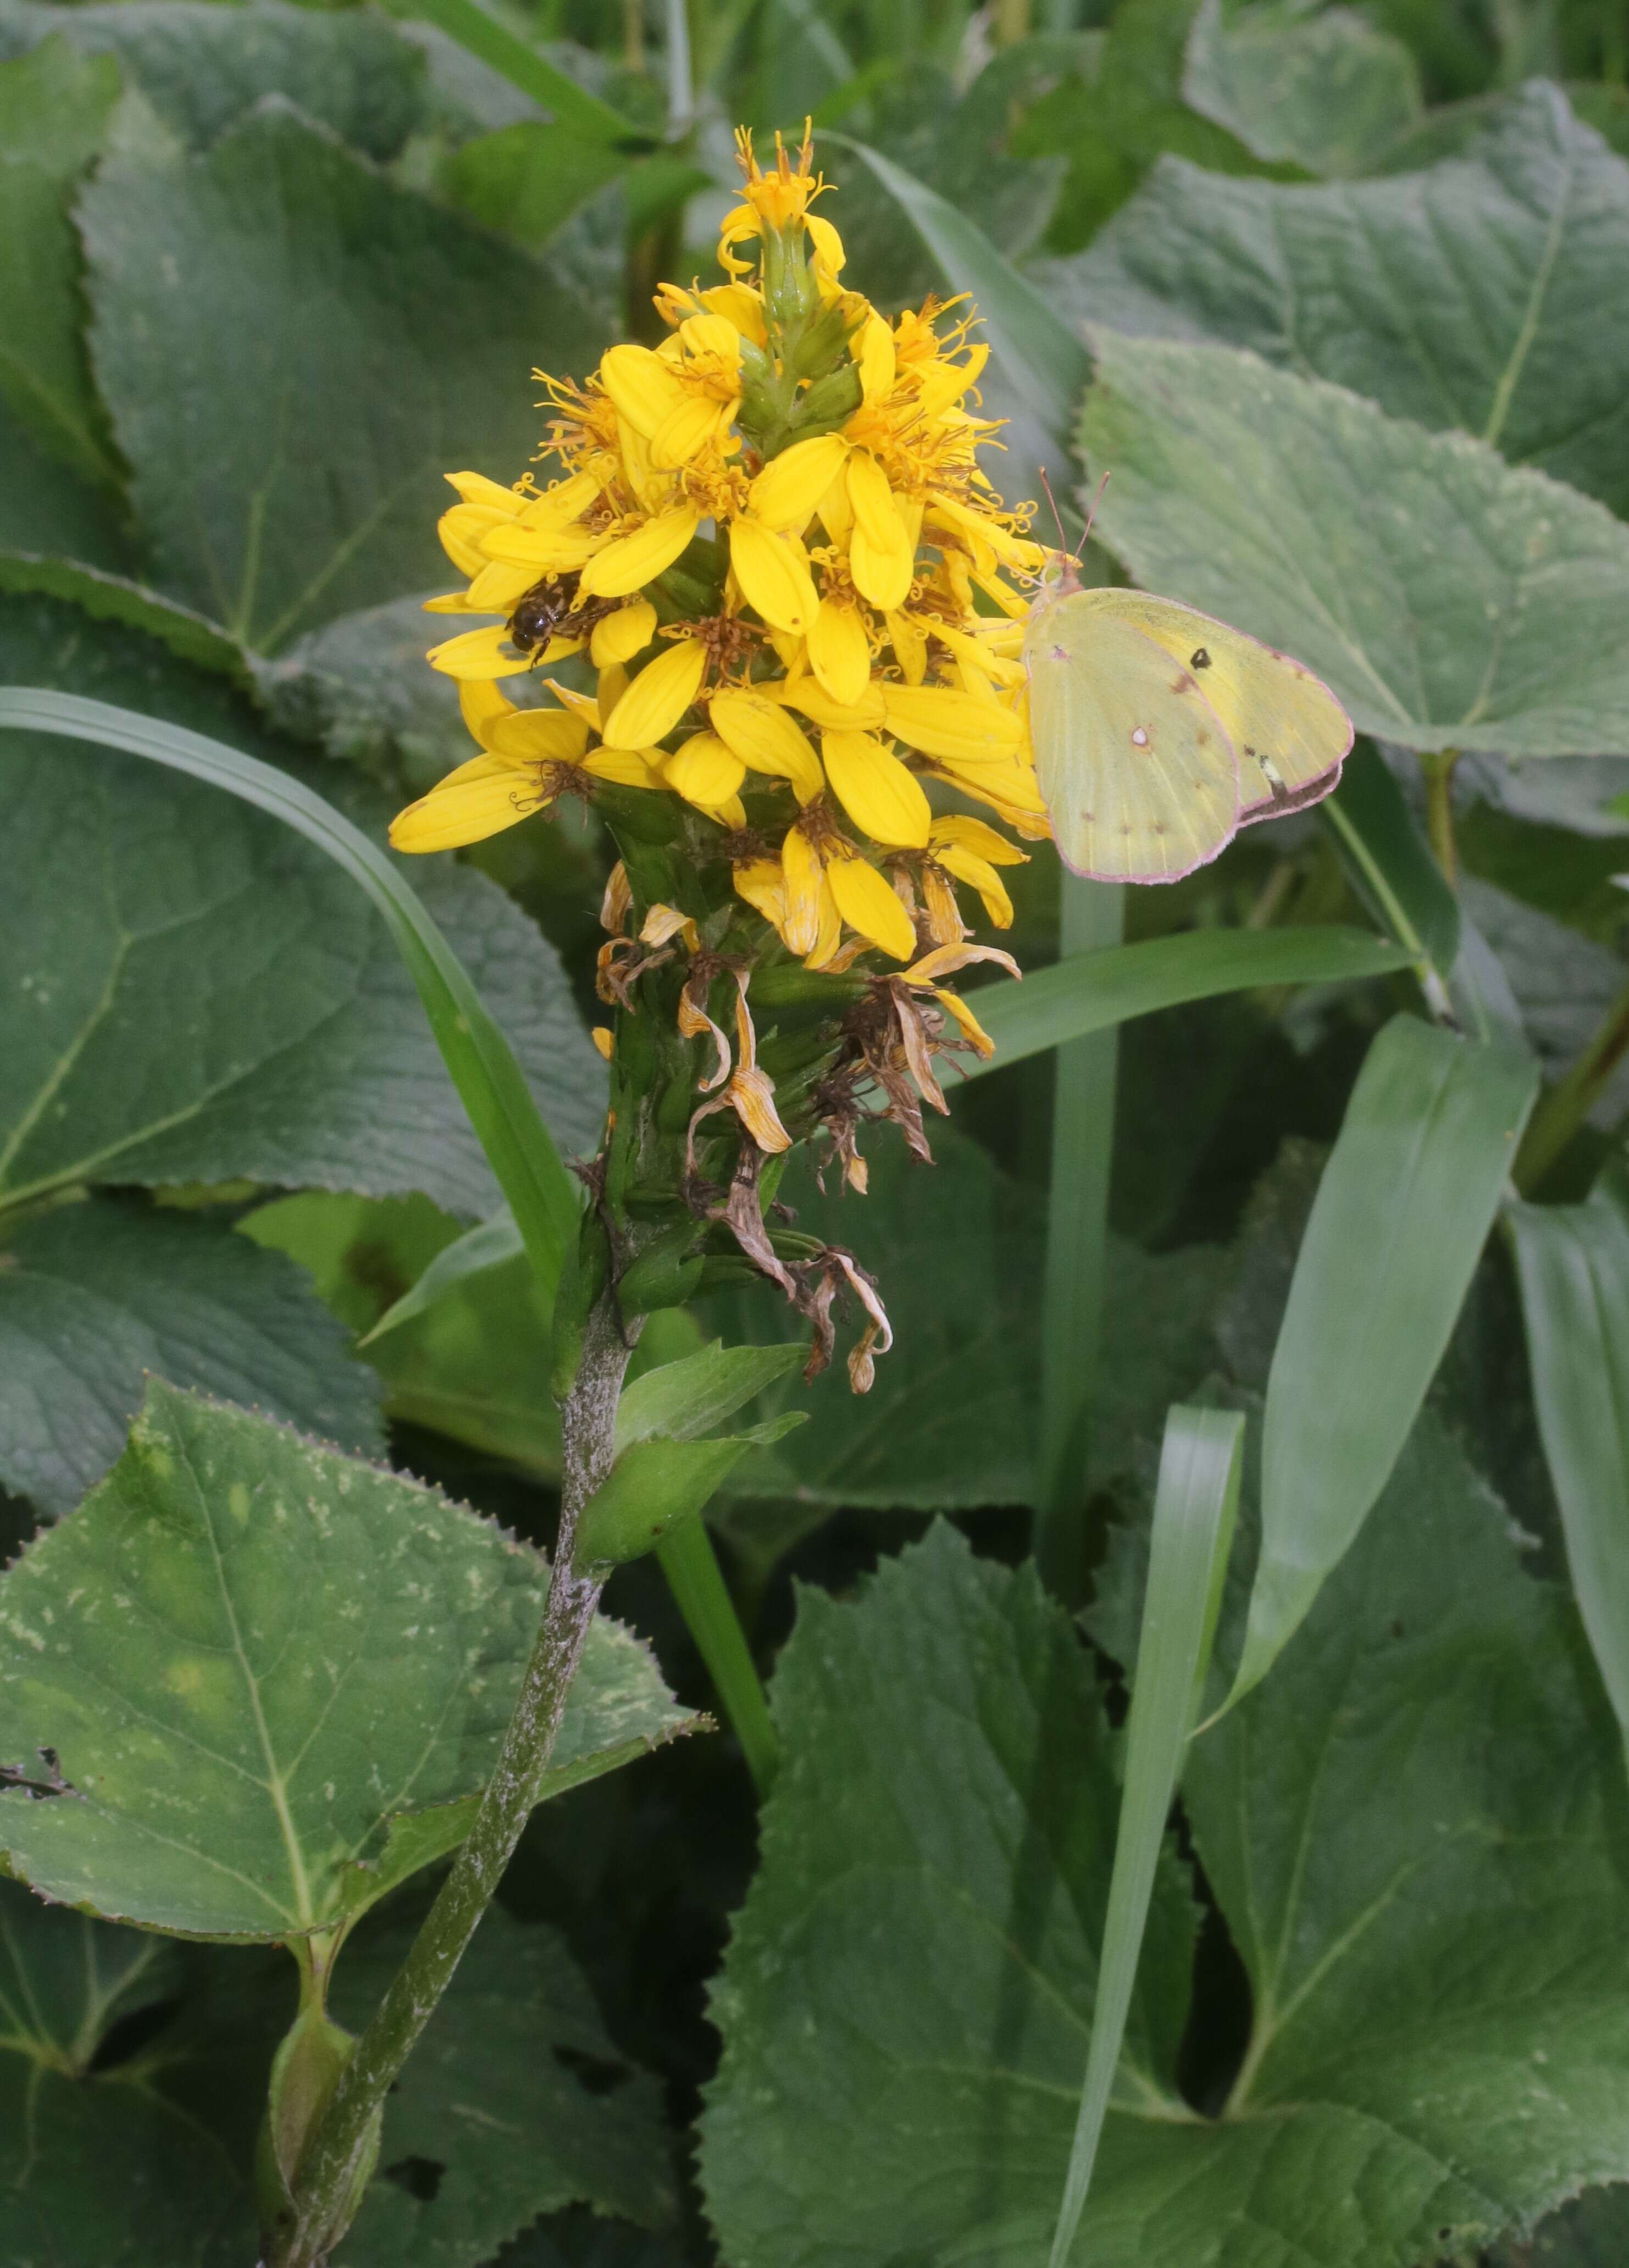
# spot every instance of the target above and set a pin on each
(529, 757)
(776, 201)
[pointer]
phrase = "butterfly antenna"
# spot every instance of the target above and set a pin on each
(1090, 516)
(1063, 541)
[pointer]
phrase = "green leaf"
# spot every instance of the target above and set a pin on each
(528, 178)
(489, 1244)
(1447, 601)
(1390, 866)
(98, 2164)
(1195, 1504)
(909, 1991)
(656, 1485)
(581, 2240)
(561, 96)
(1328, 91)
(201, 67)
(1412, 1831)
(1572, 1264)
(44, 507)
(1591, 2233)
(1089, 993)
(332, 346)
(109, 598)
(248, 1654)
(1476, 294)
(516, 2102)
(1563, 984)
(682, 1400)
(1401, 1214)
(93, 1297)
(44, 373)
(310, 1063)
(1044, 363)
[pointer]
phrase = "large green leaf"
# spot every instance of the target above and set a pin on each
(44, 507)
(293, 352)
(516, 2102)
(907, 2000)
(93, 1297)
(202, 995)
(1592, 2232)
(44, 374)
(1562, 983)
(1449, 601)
(1412, 1831)
(1401, 1217)
(1572, 1263)
(201, 67)
(249, 1654)
(1327, 91)
(98, 2164)
(1479, 294)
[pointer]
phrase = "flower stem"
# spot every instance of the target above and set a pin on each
(1439, 770)
(328, 2171)
(1567, 1106)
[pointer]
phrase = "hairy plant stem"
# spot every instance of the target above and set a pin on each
(329, 2170)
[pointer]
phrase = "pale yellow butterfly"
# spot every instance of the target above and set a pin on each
(1159, 731)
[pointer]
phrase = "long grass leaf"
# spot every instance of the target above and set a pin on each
(1090, 991)
(541, 1194)
(691, 1566)
(1046, 364)
(1195, 1504)
(1401, 1214)
(1083, 1100)
(566, 104)
(1572, 1264)
(489, 1244)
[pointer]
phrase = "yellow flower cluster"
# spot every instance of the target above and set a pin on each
(862, 604)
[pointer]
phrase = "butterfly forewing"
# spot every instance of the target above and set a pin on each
(1139, 775)
(1291, 732)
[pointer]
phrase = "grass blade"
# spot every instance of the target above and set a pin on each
(1047, 366)
(697, 1581)
(1092, 914)
(541, 1194)
(1092, 991)
(1195, 1507)
(567, 104)
(1390, 866)
(1573, 1265)
(487, 1245)
(1403, 1211)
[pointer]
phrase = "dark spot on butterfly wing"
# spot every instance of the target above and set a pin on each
(1199, 659)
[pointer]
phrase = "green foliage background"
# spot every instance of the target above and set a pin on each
(1351, 288)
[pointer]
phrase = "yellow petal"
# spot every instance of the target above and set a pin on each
(947, 381)
(644, 386)
(453, 602)
(882, 798)
(460, 528)
(539, 736)
(801, 880)
(664, 922)
(482, 707)
(475, 487)
(876, 359)
(547, 550)
(766, 740)
(604, 1039)
(625, 565)
(763, 884)
(968, 866)
(480, 799)
(1013, 550)
(809, 697)
(566, 501)
(497, 585)
(773, 572)
(828, 949)
(882, 572)
(688, 428)
(609, 690)
(840, 651)
(739, 306)
(479, 653)
(973, 834)
(658, 697)
(867, 904)
(837, 513)
(619, 636)
(1010, 789)
(974, 1030)
(939, 721)
(945, 959)
(828, 244)
(626, 767)
(789, 489)
(703, 771)
(753, 1094)
(578, 703)
(731, 813)
(711, 334)
(909, 641)
(873, 501)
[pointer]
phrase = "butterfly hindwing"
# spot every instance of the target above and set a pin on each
(1291, 732)
(1139, 772)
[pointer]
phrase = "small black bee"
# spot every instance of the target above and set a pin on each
(550, 609)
